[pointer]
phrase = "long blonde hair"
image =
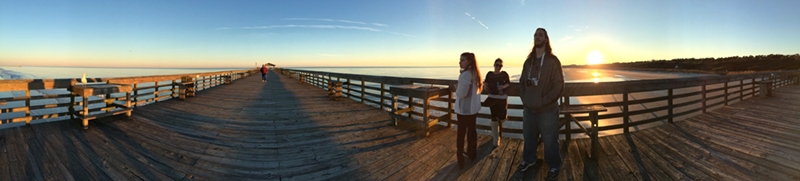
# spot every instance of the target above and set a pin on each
(473, 65)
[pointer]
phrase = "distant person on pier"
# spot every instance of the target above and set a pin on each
(467, 105)
(264, 73)
(541, 85)
(496, 82)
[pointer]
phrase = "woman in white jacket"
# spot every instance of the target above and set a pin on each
(468, 103)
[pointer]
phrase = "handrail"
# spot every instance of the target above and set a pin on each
(680, 94)
(52, 97)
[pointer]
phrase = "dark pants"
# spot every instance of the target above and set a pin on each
(545, 124)
(263, 76)
(498, 107)
(466, 125)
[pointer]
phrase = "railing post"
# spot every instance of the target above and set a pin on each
(410, 105)
(741, 89)
(173, 88)
(753, 87)
(450, 107)
(726, 93)
(568, 120)
(595, 143)
(625, 115)
(383, 93)
(669, 102)
(72, 104)
(362, 90)
(155, 93)
(28, 107)
(704, 97)
(136, 95)
(348, 87)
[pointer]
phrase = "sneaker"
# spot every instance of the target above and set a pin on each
(524, 166)
(552, 174)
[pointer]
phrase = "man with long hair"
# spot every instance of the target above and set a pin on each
(467, 105)
(541, 85)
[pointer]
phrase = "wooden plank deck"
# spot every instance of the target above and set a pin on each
(285, 130)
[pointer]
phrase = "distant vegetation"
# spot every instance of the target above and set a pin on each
(724, 65)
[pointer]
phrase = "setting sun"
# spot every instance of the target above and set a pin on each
(594, 57)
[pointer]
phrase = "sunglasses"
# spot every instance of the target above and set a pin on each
(498, 65)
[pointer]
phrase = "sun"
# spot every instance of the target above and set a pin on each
(594, 57)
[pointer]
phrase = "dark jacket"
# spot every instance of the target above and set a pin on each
(543, 97)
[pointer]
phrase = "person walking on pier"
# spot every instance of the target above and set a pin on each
(264, 73)
(541, 85)
(496, 82)
(467, 105)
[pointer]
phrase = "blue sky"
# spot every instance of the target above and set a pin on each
(384, 33)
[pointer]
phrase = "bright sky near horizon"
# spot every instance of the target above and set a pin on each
(385, 33)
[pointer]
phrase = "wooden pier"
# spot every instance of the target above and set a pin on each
(287, 130)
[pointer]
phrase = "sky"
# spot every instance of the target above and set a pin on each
(321, 33)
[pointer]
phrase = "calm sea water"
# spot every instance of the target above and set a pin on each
(76, 72)
(451, 73)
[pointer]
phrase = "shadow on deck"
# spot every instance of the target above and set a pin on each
(284, 130)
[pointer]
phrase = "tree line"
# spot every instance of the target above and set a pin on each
(772, 62)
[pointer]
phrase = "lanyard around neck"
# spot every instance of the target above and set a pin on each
(530, 69)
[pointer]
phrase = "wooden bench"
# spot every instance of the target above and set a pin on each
(411, 91)
(186, 88)
(227, 79)
(593, 112)
(765, 89)
(100, 89)
(335, 90)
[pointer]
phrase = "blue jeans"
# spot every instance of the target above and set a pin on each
(546, 124)
(263, 76)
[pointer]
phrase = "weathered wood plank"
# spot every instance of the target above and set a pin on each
(624, 170)
(683, 164)
(425, 158)
(492, 161)
(117, 156)
(474, 166)
(78, 165)
(658, 160)
(737, 161)
(622, 147)
(52, 151)
(5, 167)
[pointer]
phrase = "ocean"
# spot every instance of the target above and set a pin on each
(26, 72)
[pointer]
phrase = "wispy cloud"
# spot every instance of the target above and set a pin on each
(579, 29)
(565, 39)
(334, 21)
(222, 28)
(314, 26)
(521, 2)
(479, 21)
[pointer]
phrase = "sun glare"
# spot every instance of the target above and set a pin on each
(594, 57)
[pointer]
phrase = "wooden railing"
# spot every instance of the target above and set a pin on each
(49, 99)
(634, 103)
